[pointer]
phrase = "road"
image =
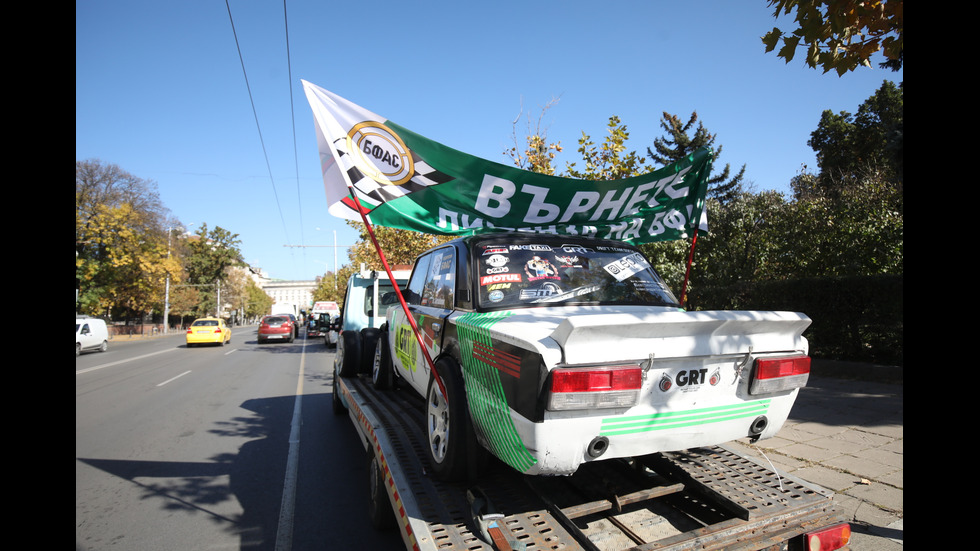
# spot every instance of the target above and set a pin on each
(232, 447)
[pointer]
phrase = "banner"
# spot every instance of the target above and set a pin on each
(405, 181)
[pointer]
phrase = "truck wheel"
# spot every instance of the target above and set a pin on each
(448, 427)
(349, 353)
(381, 512)
(382, 372)
(338, 403)
(369, 338)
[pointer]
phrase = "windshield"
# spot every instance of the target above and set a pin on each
(528, 275)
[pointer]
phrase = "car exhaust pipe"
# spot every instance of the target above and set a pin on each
(598, 446)
(758, 425)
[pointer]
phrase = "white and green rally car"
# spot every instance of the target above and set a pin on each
(553, 351)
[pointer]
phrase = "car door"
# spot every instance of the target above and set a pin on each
(431, 298)
(85, 336)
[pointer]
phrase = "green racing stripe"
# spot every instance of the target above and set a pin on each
(485, 393)
(613, 426)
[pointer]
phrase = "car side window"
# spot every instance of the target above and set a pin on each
(440, 284)
(415, 285)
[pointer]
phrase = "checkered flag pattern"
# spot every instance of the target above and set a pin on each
(375, 193)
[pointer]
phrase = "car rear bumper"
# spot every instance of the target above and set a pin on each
(205, 338)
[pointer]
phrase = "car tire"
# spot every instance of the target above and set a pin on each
(449, 431)
(78, 349)
(369, 338)
(104, 346)
(380, 511)
(382, 371)
(349, 353)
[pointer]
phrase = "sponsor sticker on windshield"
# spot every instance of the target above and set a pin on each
(627, 266)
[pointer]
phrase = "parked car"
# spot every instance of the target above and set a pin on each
(208, 331)
(90, 334)
(278, 327)
(550, 351)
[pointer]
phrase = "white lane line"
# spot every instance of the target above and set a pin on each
(284, 535)
(110, 364)
(174, 378)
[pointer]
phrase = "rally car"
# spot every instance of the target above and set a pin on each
(552, 351)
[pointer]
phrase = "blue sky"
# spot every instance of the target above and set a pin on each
(160, 91)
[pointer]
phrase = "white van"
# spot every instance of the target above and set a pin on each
(90, 334)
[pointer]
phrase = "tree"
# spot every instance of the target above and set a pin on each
(539, 154)
(871, 140)
(609, 161)
(212, 253)
(399, 246)
(333, 286)
(678, 144)
(840, 35)
(121, 248)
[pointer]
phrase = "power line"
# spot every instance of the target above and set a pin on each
(256, 116)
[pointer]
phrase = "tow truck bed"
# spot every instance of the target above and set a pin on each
(705, 498)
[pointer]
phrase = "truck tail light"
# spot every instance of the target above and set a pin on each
(828, 539)
(594, 387)
(779, 373)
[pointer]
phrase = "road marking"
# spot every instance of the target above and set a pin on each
(284, 535)
(110, 364)
(174, 378)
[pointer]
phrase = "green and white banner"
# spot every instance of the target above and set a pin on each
(405, 181)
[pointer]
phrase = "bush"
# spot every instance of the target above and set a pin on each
(858, 318)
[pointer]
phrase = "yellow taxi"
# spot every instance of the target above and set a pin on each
(208, 331)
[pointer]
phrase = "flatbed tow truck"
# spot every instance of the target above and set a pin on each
(699, 499)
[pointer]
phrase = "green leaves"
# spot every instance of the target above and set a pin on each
(840, 35)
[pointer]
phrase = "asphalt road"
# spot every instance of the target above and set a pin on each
(232, 447)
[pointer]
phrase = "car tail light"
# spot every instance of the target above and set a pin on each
(829, 539)
(775, 374)
(594, 387)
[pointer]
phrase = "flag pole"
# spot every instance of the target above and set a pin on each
(398, 292)
(687, 273)
(694, 241)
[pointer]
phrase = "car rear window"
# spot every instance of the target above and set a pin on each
(208, 323)
(274, 320)
(514, 275)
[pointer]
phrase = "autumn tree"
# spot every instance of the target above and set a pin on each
(121, 247)
(840, 35)
(399, 246)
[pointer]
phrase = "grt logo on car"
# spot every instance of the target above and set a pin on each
(380, 154)
(690, 379)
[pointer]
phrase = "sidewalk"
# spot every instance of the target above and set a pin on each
(847, 435)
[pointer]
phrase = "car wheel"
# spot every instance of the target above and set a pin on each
(382, 372)
(381, 513)
(450, 434)
(369, 337)
(78, 349)
(104, 346)
(349, 353)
